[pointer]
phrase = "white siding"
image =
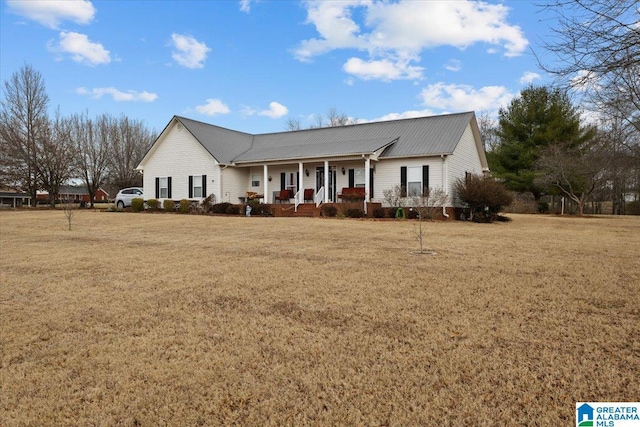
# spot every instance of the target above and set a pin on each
(179, 155)
(235, 182)
(465, 158)
(387, 174)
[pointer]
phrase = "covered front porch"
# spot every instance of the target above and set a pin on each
(315, 183)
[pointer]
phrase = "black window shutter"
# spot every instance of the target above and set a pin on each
(283, 180)
(352, 178)
(403, 181)
(157, 188)
(425, 180)
(169, 187)
(370, 182)
(298, 180)
(204, 185)
(190, 186)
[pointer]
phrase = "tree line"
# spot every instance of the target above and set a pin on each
(39, 151)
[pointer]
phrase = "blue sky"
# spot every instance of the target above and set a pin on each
(249, 65)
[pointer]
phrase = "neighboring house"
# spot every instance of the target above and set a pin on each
(75, 193)
(10, 197)
(191, 159)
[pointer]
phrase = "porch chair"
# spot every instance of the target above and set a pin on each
(308, 194)
(283, 196)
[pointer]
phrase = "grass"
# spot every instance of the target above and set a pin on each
(159, 319)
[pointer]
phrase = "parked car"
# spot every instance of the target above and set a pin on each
(126, 195)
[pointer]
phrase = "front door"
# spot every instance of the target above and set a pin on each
(332, 181)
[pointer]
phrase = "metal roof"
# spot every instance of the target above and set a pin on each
(223, 144)
(422, 136)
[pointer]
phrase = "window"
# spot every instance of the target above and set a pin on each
(255, 180)
(197, 186)
(358, 177)
(164, 188)
(414, 180)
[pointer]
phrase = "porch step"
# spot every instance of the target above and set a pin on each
(308, 210)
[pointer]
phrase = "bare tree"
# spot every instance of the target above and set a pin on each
(69, 211)
(575, 170)
(488, 127)
(428, 206)
(23, 123)
(130, 140)
(332, 118)
(54, 165)
(597, 50)
(91, 139)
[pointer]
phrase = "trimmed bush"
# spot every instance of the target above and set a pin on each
(169, 205)
(233, 210)
(219, 208)
(329, 210)
(259, 209)
(137, 204)
(379, 213)
(184, 206)
(355, 213)
(153, 204)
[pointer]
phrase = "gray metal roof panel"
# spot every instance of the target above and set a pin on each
(316, 149)
(223, 144)
(422, 136)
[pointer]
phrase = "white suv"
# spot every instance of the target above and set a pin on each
(124, 196)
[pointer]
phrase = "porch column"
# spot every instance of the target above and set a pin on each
(326, 181)
(301, 179)
(265, 188)
(367, 183)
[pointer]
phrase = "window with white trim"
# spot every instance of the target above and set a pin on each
(255, 180)
(414, 181)
(164, 187)
(197, 186)
(359, 177)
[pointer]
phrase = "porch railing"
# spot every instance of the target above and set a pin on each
(320, 197)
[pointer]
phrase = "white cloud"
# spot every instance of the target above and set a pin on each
(403, 29)
(245, 6)
(454, 65)
(410, 114)
(275, 111)
(213, 107)
(529, 77)
(81, 49)
(465, 98)
(382, 69)
(188, 51)
(117, 95)
(585, 80)
(51, 13)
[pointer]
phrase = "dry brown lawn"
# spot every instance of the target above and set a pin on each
(160, 319)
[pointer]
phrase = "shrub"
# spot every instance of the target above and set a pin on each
(543, 207)
(484, 195)
(412, 214)
(169, 205)
(379, 213)
(184, 206)
(355, 213)
(219, 208)
(392, 212)
(329, 210)
(232, 210)
(258, 208)
(153, 204)
(137, 204)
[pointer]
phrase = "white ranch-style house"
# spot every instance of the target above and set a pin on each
(192, 159)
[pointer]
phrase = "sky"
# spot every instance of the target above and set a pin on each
(250, 65)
